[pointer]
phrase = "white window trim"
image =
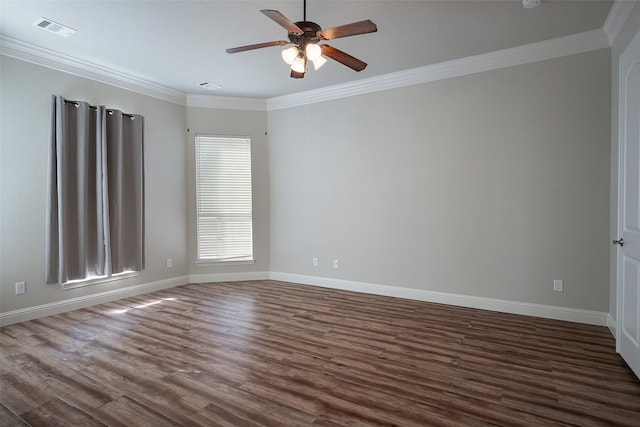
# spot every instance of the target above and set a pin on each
(242, 261)
(74, 284)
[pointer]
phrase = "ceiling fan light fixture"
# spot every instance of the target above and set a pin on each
(290, 54)
(313, 51)
(318, 62)
(299, 64)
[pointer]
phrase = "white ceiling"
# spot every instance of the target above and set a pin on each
(177, 44)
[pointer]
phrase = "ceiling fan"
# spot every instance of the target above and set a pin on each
(306, 36)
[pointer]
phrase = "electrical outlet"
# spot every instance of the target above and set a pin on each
(21, 288)
(169, 263)
(558, 285)
(315, 262)
(336, 264)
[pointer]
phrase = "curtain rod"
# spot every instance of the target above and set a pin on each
(91, 107)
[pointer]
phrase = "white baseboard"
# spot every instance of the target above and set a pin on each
(612, 325)
(504, 306)
(35, 312)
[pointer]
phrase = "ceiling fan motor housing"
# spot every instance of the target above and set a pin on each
(309, 34)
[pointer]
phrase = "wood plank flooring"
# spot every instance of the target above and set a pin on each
(278, 354)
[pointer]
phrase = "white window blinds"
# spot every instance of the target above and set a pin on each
(223, 193)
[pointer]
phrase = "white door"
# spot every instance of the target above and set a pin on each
(628, 340)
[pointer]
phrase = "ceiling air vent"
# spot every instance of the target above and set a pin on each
(54, 27)
(209, 85)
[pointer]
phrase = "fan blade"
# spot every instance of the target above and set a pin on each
(283, 21)
(257, 46)
(297, 75)
(343, 58)
(353, 29)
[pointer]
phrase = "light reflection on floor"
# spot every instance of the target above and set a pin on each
(243, 306)
(148, 304)
(241, 324)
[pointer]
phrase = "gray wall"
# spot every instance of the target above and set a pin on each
(252, 124)
(489, 185)
(630, 29)
(24, 122)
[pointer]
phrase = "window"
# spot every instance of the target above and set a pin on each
(223, 198)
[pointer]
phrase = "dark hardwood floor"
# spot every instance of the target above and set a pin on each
(278, 354)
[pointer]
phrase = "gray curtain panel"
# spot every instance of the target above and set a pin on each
(125, 155)
(95, 204)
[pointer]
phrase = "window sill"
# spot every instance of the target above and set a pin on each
(96, 280)
(213, 263)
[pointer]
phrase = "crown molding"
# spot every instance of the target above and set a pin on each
(534, 52)
(68, 64)
(540, 51)
(226, 102)
(618, 15)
